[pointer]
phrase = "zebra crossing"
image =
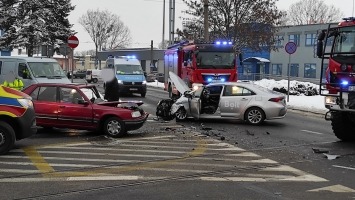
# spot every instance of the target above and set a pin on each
(173, 154)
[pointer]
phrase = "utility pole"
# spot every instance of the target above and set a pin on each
(162, 39)
(205, 16)
(171, 21)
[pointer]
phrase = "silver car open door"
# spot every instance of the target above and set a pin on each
(195, 107)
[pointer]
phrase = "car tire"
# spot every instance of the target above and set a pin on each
(254, 116)
(7, 137)
(180, 114)
(88, 81)
(114, 127)
(94, 80)
(143, 94)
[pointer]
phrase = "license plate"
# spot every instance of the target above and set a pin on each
(351, 88)
(133, 89)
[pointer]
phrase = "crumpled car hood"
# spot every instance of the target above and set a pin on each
(122, 104)
(179, 83)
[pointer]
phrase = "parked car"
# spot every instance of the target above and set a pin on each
(80, 74)
(230, 100)
(17, 118)
(81, 106)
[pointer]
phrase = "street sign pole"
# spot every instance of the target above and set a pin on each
(288, 77)
(290, 48)
(73, 42)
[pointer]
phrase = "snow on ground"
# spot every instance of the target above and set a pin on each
(301, 101)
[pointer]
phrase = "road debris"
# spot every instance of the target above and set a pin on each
(331, 157)
(320, 150)
(249, 133)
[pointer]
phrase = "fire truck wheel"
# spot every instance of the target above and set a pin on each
(7, 137)
(181, 114)
(342, 126)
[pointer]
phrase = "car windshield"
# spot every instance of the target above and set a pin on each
(215, 60)
(46, 69)
(92, 94)
(128, 69)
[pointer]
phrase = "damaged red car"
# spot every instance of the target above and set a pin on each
(81, 106)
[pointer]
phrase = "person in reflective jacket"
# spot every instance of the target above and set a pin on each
(111, 90)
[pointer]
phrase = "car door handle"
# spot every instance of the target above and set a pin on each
(244, 99)
(61, 106)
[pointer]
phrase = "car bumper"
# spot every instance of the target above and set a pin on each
(132, 88)
(27, 124)
(276, 113)
(136, 123)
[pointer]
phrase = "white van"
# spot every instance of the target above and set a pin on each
(93, 75)
(31, 70)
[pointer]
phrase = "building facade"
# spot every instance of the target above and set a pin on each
(304, 64)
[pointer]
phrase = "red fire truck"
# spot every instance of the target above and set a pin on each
(336, 48)
(199, 63)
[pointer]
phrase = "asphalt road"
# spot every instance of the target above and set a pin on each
(282, 159)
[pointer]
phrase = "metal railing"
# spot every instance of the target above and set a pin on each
(259, 76)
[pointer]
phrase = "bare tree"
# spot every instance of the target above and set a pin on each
(105, 29)
(312, 12)
(164, 45)
(248, 23)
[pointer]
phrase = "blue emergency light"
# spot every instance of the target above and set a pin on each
(224, 42)
(345, 83)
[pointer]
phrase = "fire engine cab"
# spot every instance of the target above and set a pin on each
(200, 63)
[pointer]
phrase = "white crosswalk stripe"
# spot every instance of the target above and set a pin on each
(146, 158)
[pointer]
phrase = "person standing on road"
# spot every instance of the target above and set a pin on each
(111, 90)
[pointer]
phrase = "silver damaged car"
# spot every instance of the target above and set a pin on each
(230, 100)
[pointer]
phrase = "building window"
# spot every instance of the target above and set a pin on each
(247, 69)
(310, 39)
(276, 69)
(278, 40)
(294, 38)
(309, 70)
(294, 68)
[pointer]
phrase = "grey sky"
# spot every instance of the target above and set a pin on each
(144, 18)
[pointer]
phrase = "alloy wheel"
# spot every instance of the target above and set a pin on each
(114, 127)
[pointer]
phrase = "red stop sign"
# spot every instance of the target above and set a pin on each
(73, 41)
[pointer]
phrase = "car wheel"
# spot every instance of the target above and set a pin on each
(143, 94)
(181, 114)
(7, 137)
(89, 81)
(254, 116)
(114, 127)
(95, 80)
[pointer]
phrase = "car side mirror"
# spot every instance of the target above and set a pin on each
(319, 48)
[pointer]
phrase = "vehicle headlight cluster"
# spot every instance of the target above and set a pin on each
(119, 81)
(144, 82)
(136, 114)
(330, 100)
(344, 67)
(27, 103)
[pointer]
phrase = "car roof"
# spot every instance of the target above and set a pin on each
(80, 85)
(29, 59)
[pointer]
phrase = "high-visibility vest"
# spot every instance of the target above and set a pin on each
(5, 83)
(17, 84)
